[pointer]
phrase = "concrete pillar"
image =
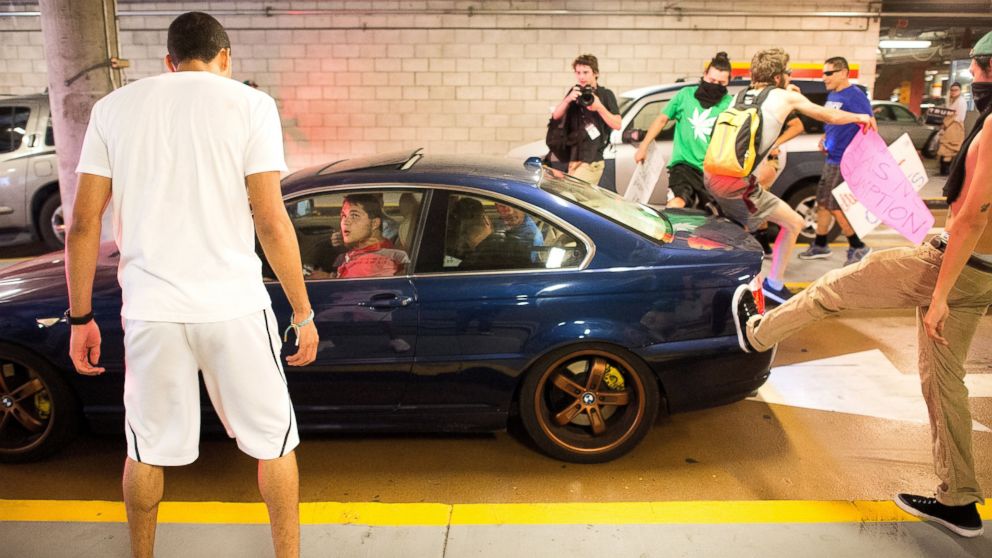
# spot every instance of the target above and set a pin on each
(80, 38)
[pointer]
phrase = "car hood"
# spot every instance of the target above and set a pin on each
(696, 230)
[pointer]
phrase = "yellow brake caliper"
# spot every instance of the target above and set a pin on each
(613, 379)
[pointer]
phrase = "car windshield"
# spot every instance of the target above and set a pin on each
(625, 104)
(636, 216)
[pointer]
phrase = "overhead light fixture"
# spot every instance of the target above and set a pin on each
(901, 43)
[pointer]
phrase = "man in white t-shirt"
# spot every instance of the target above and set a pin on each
(190, 161)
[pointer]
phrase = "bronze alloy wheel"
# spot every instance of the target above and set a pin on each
(37, 411)
(589, 404)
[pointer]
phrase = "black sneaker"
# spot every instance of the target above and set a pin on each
(962, 520)
(778, 295)
(743, 307)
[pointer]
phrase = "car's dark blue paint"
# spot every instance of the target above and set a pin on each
(447, 351)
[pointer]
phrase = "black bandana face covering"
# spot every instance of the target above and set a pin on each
(710, 94)
(981, 93)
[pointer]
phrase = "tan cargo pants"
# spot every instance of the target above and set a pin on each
(902, 278)
(590, 172)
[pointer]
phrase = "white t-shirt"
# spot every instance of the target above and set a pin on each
(177, 148)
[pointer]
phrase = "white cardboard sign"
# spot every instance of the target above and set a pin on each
(864, 221)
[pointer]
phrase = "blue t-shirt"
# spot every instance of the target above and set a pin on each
(850, 99)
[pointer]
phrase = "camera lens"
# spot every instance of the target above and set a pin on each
(586, 99)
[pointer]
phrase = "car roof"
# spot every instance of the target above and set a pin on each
(413, 166)
(807, 86)
(652, 89)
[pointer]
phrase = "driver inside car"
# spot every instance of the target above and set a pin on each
(369, 253)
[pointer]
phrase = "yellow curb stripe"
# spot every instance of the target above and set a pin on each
(396, 515)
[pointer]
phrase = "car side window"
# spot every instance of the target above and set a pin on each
(903, 114)
(483, 234)
(646, 117)
(355, 234)
(882, 113)
(13, 127)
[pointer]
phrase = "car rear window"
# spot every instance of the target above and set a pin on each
(13, 121)
(638, 217)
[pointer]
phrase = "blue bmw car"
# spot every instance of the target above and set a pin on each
(513, 293)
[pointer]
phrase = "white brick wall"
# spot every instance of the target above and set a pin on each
(364, 78)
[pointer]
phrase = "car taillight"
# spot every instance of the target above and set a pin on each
(759, 296)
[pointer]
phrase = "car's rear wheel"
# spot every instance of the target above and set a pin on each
(803, 200)
(51, 222)
(589, 403)
(38, 411)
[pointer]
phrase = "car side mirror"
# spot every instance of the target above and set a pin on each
(633, 135)
(533, 163)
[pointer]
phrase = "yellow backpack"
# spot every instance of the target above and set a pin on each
(733, 148)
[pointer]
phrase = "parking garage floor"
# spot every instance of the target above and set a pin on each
(807, 466)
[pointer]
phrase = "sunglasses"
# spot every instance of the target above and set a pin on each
(831, 72)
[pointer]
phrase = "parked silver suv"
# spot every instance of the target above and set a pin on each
(30, 206)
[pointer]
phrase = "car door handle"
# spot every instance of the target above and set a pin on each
(386, 302)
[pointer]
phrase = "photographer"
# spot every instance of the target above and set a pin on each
(590, 112)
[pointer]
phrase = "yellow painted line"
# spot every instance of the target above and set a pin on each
(396, 515)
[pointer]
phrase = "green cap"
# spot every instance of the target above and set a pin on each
(983, 47)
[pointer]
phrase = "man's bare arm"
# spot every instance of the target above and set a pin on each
(831, 116)
(793, 128)
(82, 248)
(278, 239)
(965, 230)
(562, 107)
(612, 120)
(656, 127)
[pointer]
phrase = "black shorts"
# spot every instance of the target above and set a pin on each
(686, 182)
(830, 178)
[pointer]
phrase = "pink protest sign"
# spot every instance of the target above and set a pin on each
(878, 183)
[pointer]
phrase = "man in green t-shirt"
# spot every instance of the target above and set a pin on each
(694, 110)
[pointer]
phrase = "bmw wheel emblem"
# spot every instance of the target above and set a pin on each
(588, 398)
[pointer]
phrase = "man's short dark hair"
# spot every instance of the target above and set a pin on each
(370, 204)
(956, 84)
(587, 60)
(838, 63)
(984, 63)
(196, 36)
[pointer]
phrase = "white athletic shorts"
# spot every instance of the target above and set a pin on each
(244, 377)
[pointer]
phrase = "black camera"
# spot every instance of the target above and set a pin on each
(586, 97)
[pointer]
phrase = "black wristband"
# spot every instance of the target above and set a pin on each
(79, 320)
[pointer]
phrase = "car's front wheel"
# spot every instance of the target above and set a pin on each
(38, 411)
(803, 200)
(588, 404)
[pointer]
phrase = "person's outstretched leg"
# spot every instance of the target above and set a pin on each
(279, 483)
(143, 486)
(896, 278)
